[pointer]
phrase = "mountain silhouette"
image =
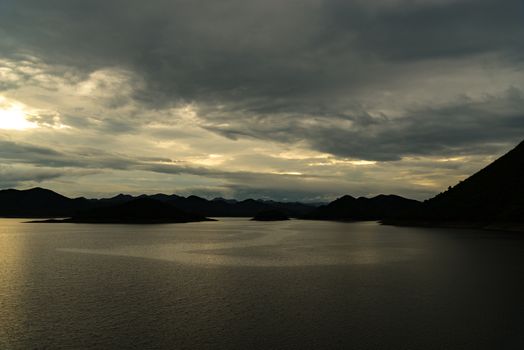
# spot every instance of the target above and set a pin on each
(140, 210)
(39, 202)
(43, 203)
(376, 208)
(494, 194)
(270, 215)
(491, 198)
(233, 208)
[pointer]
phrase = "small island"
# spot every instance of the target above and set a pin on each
(137, 211)
(270, 215)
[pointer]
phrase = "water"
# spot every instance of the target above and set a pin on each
(236, 284)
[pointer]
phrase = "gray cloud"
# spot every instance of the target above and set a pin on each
(376, 80)
(27, 175)
(254, 51)
(464, 127)
(96, 159)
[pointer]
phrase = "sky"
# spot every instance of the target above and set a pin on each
(288, 100)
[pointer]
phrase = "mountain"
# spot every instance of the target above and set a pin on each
(118, 199)
(141, 210)
(220, 199)
(376, 208)
(294, 209)
(493, 197)
(494, 194)
(39, 202)
(270, 215)
(233, 208)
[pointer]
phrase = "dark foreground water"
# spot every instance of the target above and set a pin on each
(236, 284)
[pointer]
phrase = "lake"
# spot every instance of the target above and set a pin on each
(238, 284)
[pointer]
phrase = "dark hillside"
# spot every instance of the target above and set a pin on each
(495, 193)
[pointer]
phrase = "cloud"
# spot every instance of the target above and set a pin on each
(97, 159)
(26, 175)
(258, 50)
(140, 83)
(466, 126)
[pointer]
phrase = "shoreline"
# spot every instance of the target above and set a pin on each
(493, 226)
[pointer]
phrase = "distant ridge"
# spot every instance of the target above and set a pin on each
(492, 196)
(270, 215)
(136, 211)
(376, 208)
(42, 203)
(39, 202)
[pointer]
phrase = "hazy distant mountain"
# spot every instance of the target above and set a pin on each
(245, 208)
(292, 209)
(140, 210)
(118, 199)
(270, 215)
(376, 208)
(494, 194)
(220, 199)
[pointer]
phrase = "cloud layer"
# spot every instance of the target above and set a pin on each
(235, 98)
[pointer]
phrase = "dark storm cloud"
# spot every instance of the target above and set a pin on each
(284, 70)
(412, 30)
(467, 127)
(470, 127)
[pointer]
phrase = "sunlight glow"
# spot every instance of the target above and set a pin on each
(292, 173)
(453, 159)
(362, 162)
(330, 162)
(14, 118)
(209, 160)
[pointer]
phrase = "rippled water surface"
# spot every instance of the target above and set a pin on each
(237, 284)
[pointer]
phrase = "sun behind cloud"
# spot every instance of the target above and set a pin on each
(13, 117)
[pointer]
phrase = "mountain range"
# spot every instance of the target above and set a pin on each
(142, 210)
(376, 208)
(43, 203)
(493, 195)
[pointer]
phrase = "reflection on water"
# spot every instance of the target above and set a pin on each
(237, 284)
(13, 258)
(277, 244)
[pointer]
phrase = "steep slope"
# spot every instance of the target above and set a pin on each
(494, 194)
